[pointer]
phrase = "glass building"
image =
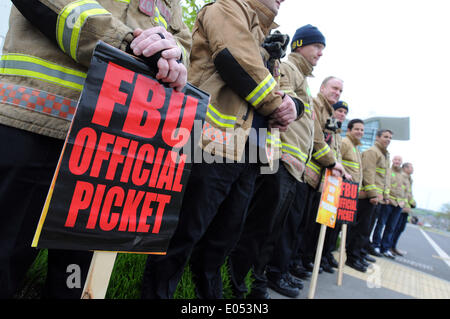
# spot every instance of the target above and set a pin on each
(398, 125)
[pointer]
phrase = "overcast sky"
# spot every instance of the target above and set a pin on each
(394, 58)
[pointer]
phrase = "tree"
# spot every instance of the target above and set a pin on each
(445, 208)
(190, 9)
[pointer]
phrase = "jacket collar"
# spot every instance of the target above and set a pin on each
(396, 169)
(354, 140)
(381, 147)
(300, 62)
(265, 15)
(323, 101)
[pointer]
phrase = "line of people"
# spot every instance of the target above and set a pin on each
(231, 212)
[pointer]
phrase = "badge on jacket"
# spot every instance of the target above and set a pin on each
(154, 8)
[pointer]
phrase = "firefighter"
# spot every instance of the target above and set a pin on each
(382, 238)
(325, 145)
(297, 142)
(328, 262)
(410, 203)
(225, 62)
(374, 190)
(45, 59)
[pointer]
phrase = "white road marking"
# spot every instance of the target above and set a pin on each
(438, 249)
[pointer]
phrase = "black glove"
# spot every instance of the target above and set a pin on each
(276, 44)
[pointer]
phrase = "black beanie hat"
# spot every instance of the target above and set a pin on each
(340, 105)
(305, 35)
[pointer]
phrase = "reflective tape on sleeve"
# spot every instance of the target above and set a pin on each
(261, 91)
(322, 152)
(70, 21)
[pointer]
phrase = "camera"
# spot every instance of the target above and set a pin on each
(333, 124)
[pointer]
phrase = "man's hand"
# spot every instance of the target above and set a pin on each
(153, 40)
(284, 115)
(338, 170)
(373, 200)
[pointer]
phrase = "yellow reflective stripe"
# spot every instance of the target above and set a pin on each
(294, 151)
(380, 170)
(323, 151)
(272, 139)
(34, 67)
(223, 116)
(160, 19)
(350, 164)
(77, 29)
(307, 108)
(219, 118)
(70, 21)
(261, 91)
(314, 167)
(123, 1)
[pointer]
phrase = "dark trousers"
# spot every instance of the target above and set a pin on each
(213, 210)
(401, 225)
(267, 214)
(290, 237)
(27, 165)
(359, 232)
(331, 237)
(310, 229)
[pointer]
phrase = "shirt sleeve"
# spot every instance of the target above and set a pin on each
(76, 26)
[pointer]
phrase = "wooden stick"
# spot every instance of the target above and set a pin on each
(342, 254)
(312, 287)
(100, 270)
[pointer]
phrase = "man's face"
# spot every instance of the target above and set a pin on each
(332, 90)
(273, 5)
(340, 114)
(409, 169)
(357, 131)
(311, 52)
(384, 139)
(397, 161)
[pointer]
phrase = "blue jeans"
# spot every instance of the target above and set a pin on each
(383, 214)
(387, 219)
(387, 241)
(401, 225)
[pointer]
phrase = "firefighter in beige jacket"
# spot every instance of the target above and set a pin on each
(45, 59)
(409, 204)
(325, 150)
(375, 181)
(351, 156)
(382, 239)
(225, 62)
(49, 46)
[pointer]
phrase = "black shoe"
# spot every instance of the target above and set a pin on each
(369, 259)
(300, 272)
(310, 266)
(373, 252)
(293, 282)
(258, 294)
(363, 262)
(327, 267)
(282, 287)
(356, 265)
(332, 261)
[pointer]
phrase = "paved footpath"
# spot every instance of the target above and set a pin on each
(423, 273)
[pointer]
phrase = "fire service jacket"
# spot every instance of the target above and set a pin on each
(48, 49)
